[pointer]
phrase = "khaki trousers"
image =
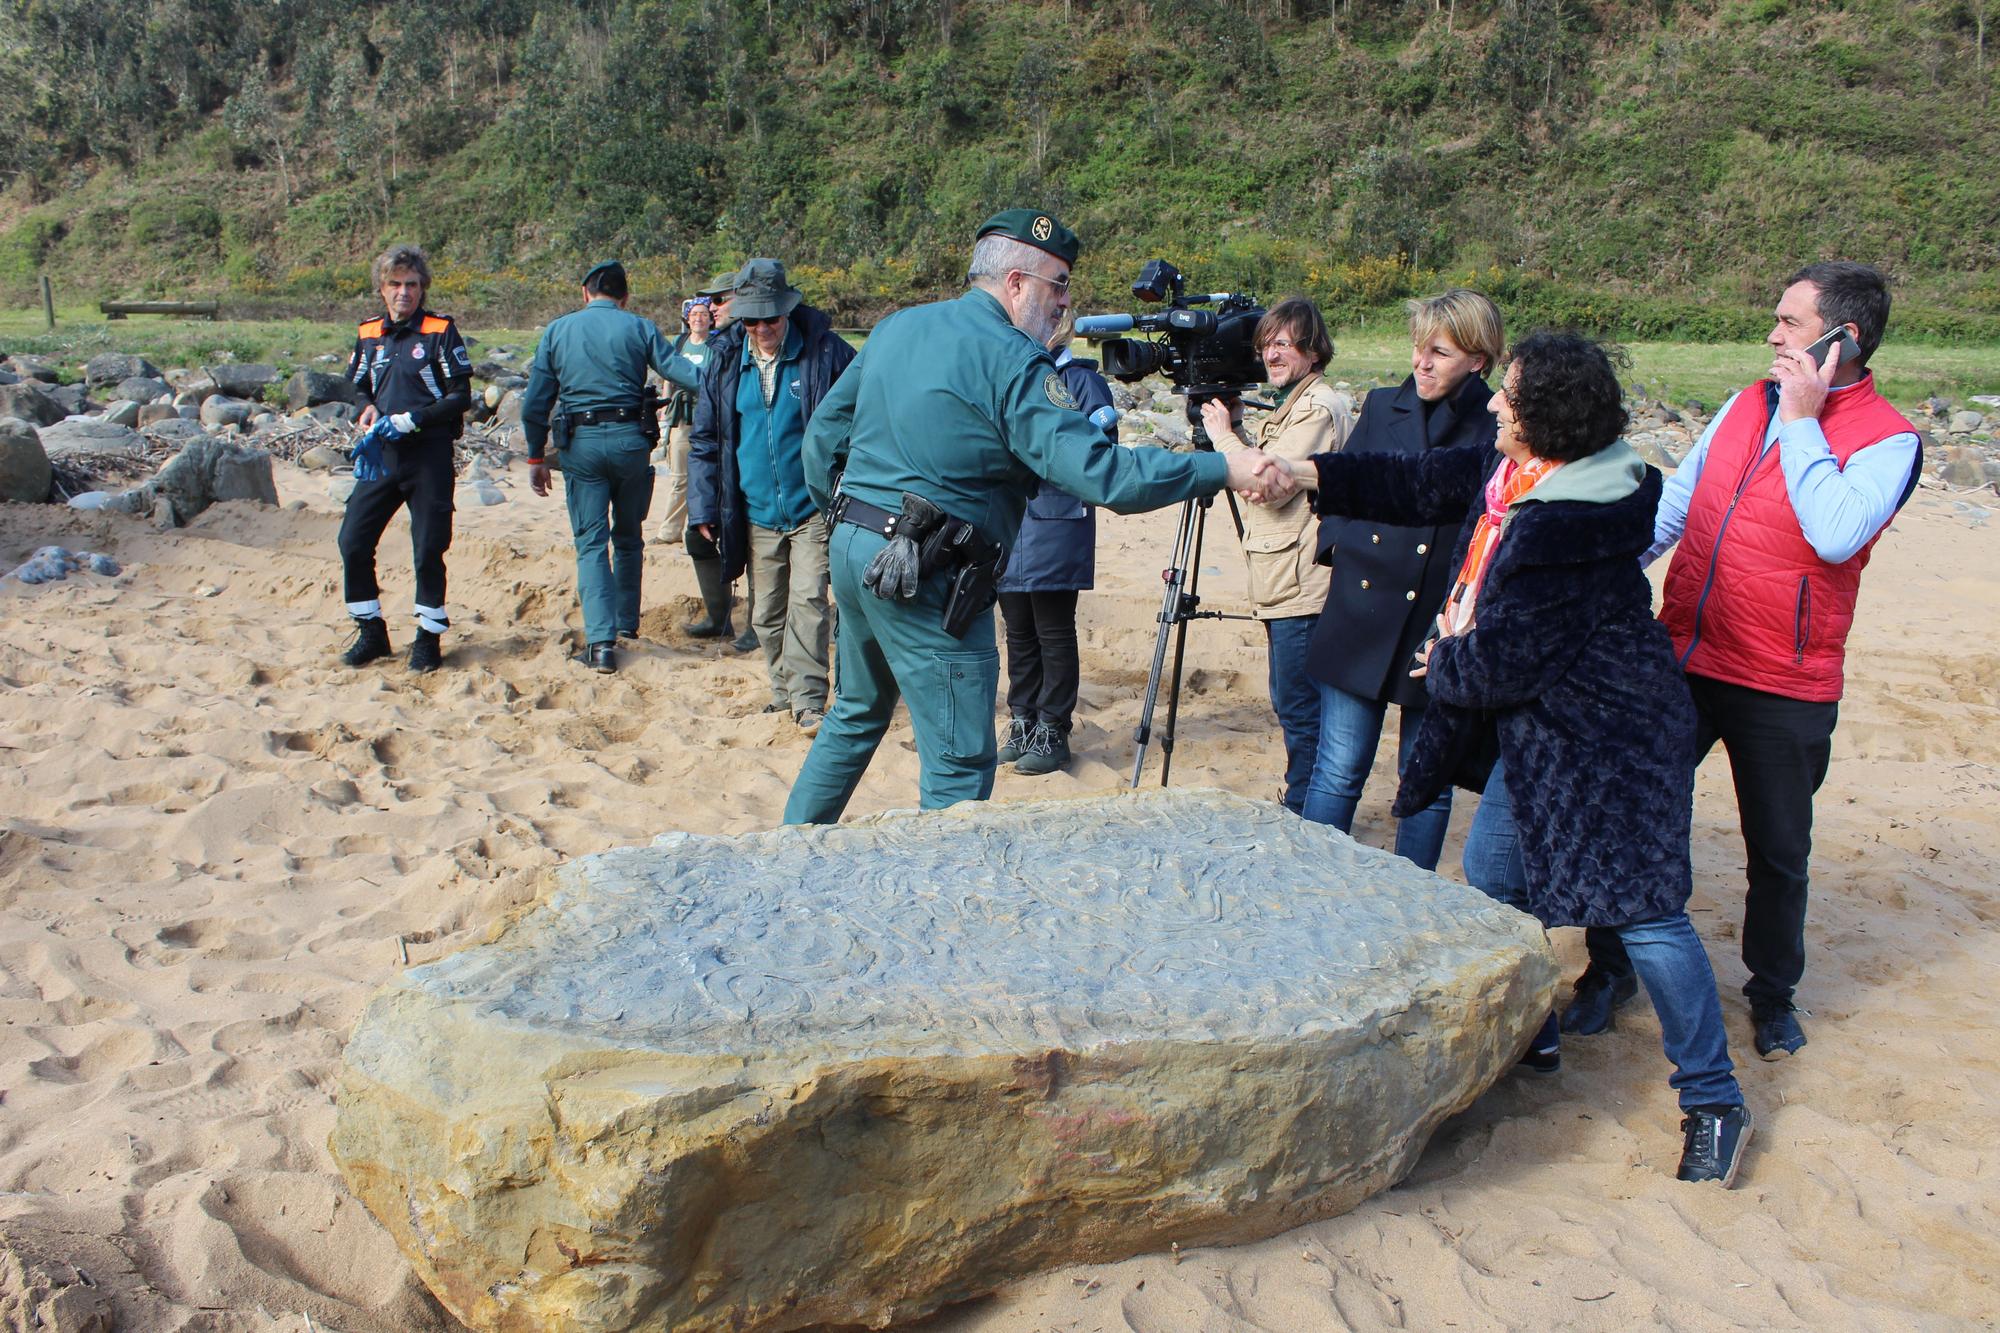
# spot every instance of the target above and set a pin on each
(673, 500)
(788, 589)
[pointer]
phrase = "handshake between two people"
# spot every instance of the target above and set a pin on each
(1261, 478)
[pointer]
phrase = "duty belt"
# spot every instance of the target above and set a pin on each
(849, 509)
(602, 416)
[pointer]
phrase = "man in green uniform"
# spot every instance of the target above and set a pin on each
(957, 407)
(595, 361)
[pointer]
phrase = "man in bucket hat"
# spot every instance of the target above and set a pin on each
(747, 491)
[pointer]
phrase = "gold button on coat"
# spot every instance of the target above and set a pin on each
(1409, 597)
(1423, 548)
(1375, 537)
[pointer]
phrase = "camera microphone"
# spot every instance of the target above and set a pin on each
(1097, 326)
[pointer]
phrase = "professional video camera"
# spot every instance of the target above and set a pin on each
(1205, 353)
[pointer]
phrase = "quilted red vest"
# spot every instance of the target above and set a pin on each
(1747, 599)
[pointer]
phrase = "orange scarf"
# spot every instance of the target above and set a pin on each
(1509, 482)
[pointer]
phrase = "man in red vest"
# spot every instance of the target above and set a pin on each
(1775, 512)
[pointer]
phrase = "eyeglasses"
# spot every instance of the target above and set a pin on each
(766, 319)
(1281, 345)
(1060, 284)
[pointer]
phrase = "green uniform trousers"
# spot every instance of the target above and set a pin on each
(887, 650)
(608, 485)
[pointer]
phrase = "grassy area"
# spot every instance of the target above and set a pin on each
(1678, 372)
(1707, 373)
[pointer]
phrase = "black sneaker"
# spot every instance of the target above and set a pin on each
(1017, 740)
(425, 652)
(1544, 1054)
(600, 657)
(1046, 752)
(1778, 1033)
(1715, 1137)
(1598, 996)
(371, 640)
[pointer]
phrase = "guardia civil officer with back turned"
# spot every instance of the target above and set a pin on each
(410, 368)
(593, 362)
(925, 454)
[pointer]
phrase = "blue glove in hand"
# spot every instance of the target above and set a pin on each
(368, 464)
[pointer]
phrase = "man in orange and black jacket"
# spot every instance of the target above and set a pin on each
(411, 368)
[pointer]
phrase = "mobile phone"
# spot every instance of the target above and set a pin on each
(1850, 352)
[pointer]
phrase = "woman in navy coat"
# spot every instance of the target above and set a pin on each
(1053, 559)
(1389, 578)
(1555, 690)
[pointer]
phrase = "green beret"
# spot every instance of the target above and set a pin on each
(1031, 228)
(608, 266)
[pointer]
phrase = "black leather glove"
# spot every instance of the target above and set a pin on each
(898, 567)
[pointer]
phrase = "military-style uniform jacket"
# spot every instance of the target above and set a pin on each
(1390, 581)
(419, 366)
(596, 357)
(952, 402)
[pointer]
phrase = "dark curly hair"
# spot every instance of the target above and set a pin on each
(1566, 398)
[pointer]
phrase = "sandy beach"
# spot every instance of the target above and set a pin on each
(215, 843)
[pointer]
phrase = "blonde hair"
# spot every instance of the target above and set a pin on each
(1065, 333)
(1464, 316)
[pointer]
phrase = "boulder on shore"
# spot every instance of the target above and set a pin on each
(221, 410)
(246, 381)
(848, 1074)
(84, 436)
(25, 473)
(31, 401)
(310, 388)
(111, 367)
(206, 471)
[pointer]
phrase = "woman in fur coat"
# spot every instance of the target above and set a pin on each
(1554, 690)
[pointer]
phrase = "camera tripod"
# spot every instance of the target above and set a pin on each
(1180, 602)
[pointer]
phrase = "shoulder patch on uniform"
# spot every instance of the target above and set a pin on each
(370, 328)
(1058, 392)
(434, 324)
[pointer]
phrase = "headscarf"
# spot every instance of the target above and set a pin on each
(693, 301)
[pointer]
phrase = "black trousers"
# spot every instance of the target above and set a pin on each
(1778, 751)
(421, 477)
(1042, 668)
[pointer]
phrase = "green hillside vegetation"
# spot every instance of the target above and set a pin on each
(1647, 169)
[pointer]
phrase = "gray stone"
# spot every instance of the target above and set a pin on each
(1963, 466)
(310, 388)
(1655, 448)
(1964, 423)
(222, 410)
(32, 403)
(140, 389)
(484, 493)
(111, 367)
(322, 458)
(1169, 428)
(124, 412)
(84, 436)
(24, 465)
(72, 398)
(509, 410)
(188, 411)
(1986, 399)
(264, 422)
(9, 377)
(206, 471)
(340, 488)
(847, 1074)
(338, 414)
(242, 381)
(175, 427)
(35, 368)
(52, 563)
(152, 412)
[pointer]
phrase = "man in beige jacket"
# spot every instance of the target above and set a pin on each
(1287, 588)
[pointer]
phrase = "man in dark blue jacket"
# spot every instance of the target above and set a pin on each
(746, 478)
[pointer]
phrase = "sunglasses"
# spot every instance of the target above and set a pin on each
(766, 319)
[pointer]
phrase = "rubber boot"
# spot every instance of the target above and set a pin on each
(715, 601)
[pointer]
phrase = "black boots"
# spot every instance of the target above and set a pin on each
(425, 654)
(371, 640)
(714, 590)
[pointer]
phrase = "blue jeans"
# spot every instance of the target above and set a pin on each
(1350, 727)
(608, 486)
(1666, 953)
(1295, 699)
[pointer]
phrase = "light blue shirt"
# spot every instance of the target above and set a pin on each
(1840, 509)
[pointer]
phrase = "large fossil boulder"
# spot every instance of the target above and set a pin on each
(849, 1074)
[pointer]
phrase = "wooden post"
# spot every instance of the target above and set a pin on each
(48, 303)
